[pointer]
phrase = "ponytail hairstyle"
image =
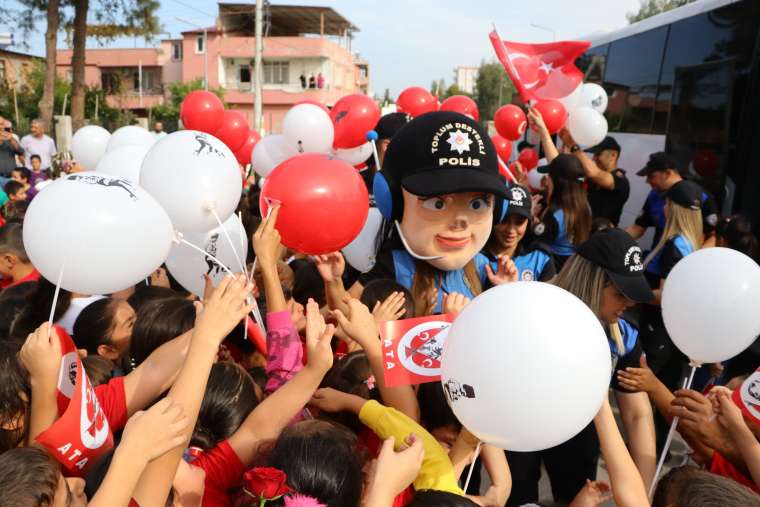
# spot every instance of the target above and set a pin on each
(735, 231)
(586, 281)
(681, 221)
(425, 279)
(571, 198)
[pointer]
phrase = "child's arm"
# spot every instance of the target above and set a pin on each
(146, 436)
(361, 327)
(41, 356)
(627, 485)
(550, 150)
(223, 310)
(644, 380)
(730, 417)
(497, 467)
(266, 244)
(274, 413)
(638, 422)
(394, 471)
(331, 267)
(437, 471)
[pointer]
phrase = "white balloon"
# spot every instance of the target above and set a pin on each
(123, 162)
(355, 156)
(188, 265)
(131, 135)
(573, 100)
(521, 381)
(104, 232)
(593, 96)
(270, 152)
(192, 173)
(709, 304)
(587, 126)
(308, 128)
(534, 179)
(361, 252)
(88, 145)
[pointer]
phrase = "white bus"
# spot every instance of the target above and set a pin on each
(687, 81)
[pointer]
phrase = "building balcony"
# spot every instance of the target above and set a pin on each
(132, 100)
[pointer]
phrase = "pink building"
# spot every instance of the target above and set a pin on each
(304, 46)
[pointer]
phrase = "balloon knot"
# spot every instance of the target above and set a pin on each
(209, 206)
(178, 237)
(694, 364)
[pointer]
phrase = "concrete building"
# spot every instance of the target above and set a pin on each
(465, 78)
(302, 45)
(15, 67)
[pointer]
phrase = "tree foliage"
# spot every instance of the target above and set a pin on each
(168, 113)
(649, 8)
(493, 89)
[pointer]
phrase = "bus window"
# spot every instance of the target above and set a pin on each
(633, 69)
(593, 63)
(727, 32)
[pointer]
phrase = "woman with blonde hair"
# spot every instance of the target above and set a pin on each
(681, 236)
(607, 274)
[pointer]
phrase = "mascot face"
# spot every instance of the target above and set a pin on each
(453, 228)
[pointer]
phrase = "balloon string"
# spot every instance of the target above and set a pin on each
(55, 300)
(374, 154)
(472, 466)
(229, 240)
(669, 439)
(506, 169)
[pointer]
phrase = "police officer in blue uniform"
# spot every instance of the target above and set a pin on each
(533, 260)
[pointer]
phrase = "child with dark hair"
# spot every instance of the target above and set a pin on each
(158, 322)
(104, 328)
(735, 231)
(149, 293)
(15, 266)
(16, 211)
(690, 487)
(15, 191)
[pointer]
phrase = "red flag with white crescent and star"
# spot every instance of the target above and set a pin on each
(541, 71)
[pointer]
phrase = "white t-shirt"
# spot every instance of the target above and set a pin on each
(76, 307)
(43, 146)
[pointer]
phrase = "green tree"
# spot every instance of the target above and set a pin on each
(454, 89)
(168, 113)
(386, 97)
(493, 88)
(649, 8)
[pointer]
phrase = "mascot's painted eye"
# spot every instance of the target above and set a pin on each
(480, 204)
(434, 203)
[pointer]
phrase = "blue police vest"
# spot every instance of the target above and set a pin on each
(530, 266)
(629, 334)
(681, 243)
(447, 281)
(561, 245)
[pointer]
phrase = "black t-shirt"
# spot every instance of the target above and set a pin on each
(609, 203)
(629, 360)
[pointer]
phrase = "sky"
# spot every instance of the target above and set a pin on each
(413, 42)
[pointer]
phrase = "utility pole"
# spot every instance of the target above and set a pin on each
(258, 71)
(205, 59)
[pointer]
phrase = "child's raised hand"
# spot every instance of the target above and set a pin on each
(318, 338)
(638, 379)
(330, 266)
(266, 239)
(592, 494)
(507, 271)
(224, 308)
(359, 324)
(392, 308)
(395, 471)
(41, 355)
(154, 432)
(729, 415)
(454, 303)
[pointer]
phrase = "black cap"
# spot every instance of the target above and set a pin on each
(608, 143)
(621, 257)
(686, 194)
(659, 161)
(520, 201)
(564, 166)
(388, 125)
(443, 153)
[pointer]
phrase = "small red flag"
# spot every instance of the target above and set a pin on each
(541, 71)
(412, 349)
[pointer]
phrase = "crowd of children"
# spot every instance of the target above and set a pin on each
(179, 408)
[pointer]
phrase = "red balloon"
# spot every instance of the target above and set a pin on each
(705, 163)
(353, 116)
(461, 104)
(234, 130)
(415, 101)
(314, 103)
(528, 158)
(503, 147)
(202, 110)
(553, 113)
(243, 154)
(510, 122)
(324, 202)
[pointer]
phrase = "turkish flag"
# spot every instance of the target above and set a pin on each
(541, 71)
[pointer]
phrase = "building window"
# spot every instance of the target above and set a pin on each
(200, 44)
(110, 82)
(244, 74)
(177, 50)
(276, 72)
